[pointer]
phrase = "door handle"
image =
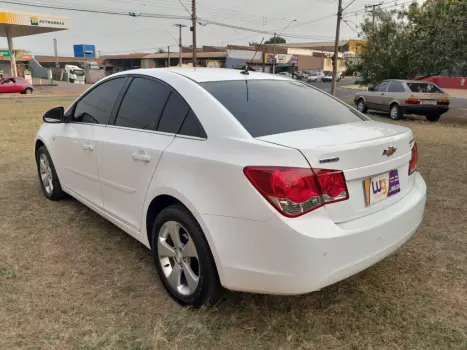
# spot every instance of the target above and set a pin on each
(88, 147)
(141, 156)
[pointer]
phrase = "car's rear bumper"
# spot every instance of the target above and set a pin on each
(424, 110)
(300, 255)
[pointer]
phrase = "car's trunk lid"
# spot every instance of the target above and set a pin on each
(361, 150)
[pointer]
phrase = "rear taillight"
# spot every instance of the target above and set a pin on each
(413, 160)
(443, 102)
(412, 101)
(296, 191)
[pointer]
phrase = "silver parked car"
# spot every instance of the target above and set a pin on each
(399, 97)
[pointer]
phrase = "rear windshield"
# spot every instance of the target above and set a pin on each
(268, 107)
(424, 87)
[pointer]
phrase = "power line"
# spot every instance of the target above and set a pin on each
(348, 25)
(106, 12)
(188, 11)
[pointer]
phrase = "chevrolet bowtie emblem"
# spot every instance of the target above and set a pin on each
(389, 151)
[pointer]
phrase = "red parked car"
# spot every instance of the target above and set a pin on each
(15, 85)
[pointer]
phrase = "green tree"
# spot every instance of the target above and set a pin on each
(277, 39)
(161, 50)
(416, 40)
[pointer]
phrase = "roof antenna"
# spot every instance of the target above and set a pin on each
(245, 72)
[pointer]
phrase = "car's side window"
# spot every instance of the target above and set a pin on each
(396, 86)
(174, 113)
(143, 104)
(96, 106)
(383, 86)
(192, 127)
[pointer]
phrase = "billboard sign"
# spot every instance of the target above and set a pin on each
(356, 45)
(280, 59)
(28, 19)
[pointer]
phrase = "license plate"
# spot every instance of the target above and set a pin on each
(381, 186)
(429, 102)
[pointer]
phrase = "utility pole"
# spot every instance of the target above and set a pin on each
(274, 49)
(193, 19)
(274, 55)
(57, 65)
(322, 57)
(336, 47)
(373, 7)
(180, 26)
(168, 56)
(263, 58)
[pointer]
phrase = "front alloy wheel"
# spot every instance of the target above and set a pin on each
(48, 176)
(45, 172)
(361, 106)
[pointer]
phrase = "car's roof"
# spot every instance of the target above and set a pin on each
(411, 81)
(208, 74)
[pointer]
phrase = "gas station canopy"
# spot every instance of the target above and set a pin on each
(16, 24)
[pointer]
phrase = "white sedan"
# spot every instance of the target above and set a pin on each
(314, 77)
(252, 182)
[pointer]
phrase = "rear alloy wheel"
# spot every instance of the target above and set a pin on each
(433, 117)
(28, 91)
(48, 176)
(361, 106)
(395, 112)
(183, 259)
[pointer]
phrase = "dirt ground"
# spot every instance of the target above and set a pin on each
(71, 280)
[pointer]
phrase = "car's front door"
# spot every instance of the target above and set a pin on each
(75, 146)
(128, 152)
(380, 96)
(8, 86)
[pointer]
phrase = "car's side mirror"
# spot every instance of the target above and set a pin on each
(54, 115)
(371, 89)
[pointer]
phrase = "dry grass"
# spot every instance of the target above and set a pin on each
(70, 279)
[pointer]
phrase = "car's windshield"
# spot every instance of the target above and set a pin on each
(77, 72)
(424, 88)
(267, 107)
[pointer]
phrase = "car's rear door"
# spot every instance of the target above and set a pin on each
(130, 148)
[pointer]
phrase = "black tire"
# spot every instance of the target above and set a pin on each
(361, 106)
(433, 117)
(209, 289)
(395, 112)
(56, 193)
(27, 91)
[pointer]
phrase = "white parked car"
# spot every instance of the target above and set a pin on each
(315, 77)
(230, 186)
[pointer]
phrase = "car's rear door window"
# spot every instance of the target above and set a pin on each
(267, 107)
(173, 115)
(143, 104)
(192, 126)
